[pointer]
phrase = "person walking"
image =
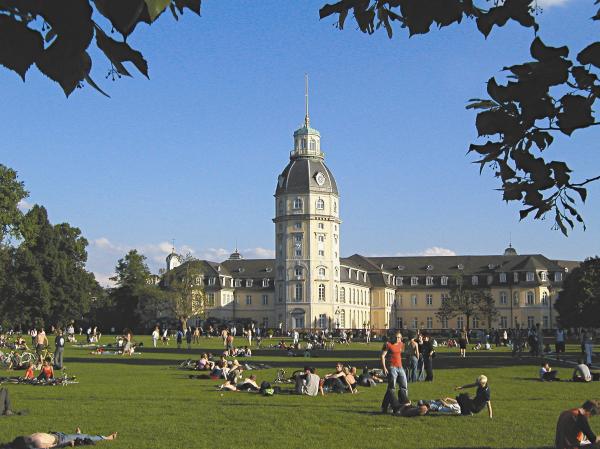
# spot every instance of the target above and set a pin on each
(59, 348)
(463, 341)
(559, 345)
(188, 337)
(588, 344)
(395, 374)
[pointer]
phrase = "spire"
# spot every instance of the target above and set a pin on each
(306, 117)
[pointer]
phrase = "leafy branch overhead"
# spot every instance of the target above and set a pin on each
(55, 35)
(549, 95)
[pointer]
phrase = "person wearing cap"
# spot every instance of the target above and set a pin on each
(573, 429)
(482, 397)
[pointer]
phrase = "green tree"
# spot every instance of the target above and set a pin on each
(131, 277)
(154, 304)
(46, 277)
(187, 287)
(12, 191)
(578, 303)
(469, 301)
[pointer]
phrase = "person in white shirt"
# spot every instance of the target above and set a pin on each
(582, 373)
(155, 336)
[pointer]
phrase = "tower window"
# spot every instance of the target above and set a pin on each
(298, 271)
(297, 225)
(298, 293)
(321, 238)
(320, 204)
(321, 226)
(298, 203)
(322, 272)
(321, 292)
(313, 144)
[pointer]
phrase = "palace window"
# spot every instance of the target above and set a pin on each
(237, 283)
(249, 282)
(444, 297)
(530, 298)
(530, 322)
(502, 278)
(515, 277)
(343, 294)
(429, 301)
(413, 300)
(265, 283)
(399, 281)
(212, 280)
(429, 323)
(321, 226)
(444, 280)
(210, 299)
(429, 280)
(322, 272)
(415, 323)
(298, 292)
(474, 280)
(321, 292)
(320, 204)
(297, 225)
(321, 238)
(444, 323)
(516, 298)
(545, 298)
(414, 280)
(503, 298)
(298, 252)
(544, 276)
(248, 300)
(321, 253)
(298, 271)
(490, 279)
(265, 300)
(530, 276)
(298, 203)
(460, 322)
(503, 322)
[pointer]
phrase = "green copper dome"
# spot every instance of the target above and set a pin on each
(306, 131)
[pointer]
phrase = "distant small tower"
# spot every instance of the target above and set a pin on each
(173, 260)
(236, 255)
(510, 251)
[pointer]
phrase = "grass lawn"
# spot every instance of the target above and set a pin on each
(153, 405)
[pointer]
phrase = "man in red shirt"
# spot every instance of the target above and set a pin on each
(573, 426)
(395, 374)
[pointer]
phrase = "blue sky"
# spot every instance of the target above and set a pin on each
(194, 153)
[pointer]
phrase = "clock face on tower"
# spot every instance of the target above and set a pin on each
(320, 178)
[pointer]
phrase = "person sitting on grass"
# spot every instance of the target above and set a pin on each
(57, 439)
(573, 429)
(583, 373)
(547, 374)
(205, 363)
(350, 376)
(336, 381)
(308, 382)
(29, 374)
(482, 397)
(47, 371)
(248, 384)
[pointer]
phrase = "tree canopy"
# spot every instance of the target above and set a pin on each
(578, 302)
(12, 191)
(552, 94)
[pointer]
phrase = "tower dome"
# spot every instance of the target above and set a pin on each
(510, 251)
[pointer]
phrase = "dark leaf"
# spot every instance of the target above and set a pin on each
(576, 113)
(542, 139)
(560, 224)
(19, 45)
(447, 12)
(124, 15)
(336, 8)
(156, 8)
(512, 191)
(71, 20)
(482, 104)
(590, 55)
(582, 191)
(119, 52)
(524, 212)
(543, 53)
(506, 172)
(494, 122)
(192, 5)
(583, 77)
(561, 172)
(418, 15)
(92, 83)
(68, 69)
(486, 148)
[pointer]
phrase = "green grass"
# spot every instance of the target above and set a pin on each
(153, 405)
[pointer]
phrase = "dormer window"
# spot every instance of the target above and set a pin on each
(297, 203)
(237, 282)
(460, 266)
(491, 266)
(268, 269)
(530, 276)
(212, 280)
(400, 267)
(265, 283)
(544, 276)
(515, 277)
(429, 280)
(502, 278)
(475, 280)
(558, 276)
(248, 282)
(399, 281)
(414, 280)
(490, 279)
(444, 280)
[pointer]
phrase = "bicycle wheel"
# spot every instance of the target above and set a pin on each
(27, 357)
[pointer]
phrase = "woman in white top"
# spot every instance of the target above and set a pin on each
(155, 336)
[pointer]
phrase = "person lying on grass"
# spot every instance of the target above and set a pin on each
(444, 406)
(573, 429)
(248, 384)
(547, 374)
(41, 440)
(482, 397)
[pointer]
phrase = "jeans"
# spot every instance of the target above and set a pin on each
(413, 363)
(395, 376)
(58, 358)
(64, 439)
(588, 353)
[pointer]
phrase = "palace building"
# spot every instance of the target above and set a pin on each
(308, 284)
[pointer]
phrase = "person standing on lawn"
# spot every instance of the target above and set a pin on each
(395, 374)
(59, 344)
(573, 429)
(155, 336)
(427, 352)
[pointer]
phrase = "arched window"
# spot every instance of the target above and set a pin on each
(298, 203)
(530, 298)
(322, 272)
(343, 294)
(298, 271)
(321, 292)
(337, 294)
(298, 293)
(313, 144)
(320, 204)
(545, 298)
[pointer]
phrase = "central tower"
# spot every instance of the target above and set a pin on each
(307, 235)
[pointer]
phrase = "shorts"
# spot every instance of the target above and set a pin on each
(462, 344)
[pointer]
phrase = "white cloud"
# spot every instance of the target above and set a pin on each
(104, 279)
(428, 252)
(106, 245)
(258, 253)
(24, 205)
